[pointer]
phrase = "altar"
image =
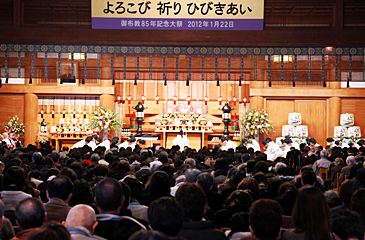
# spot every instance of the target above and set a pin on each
(195, 134)
(61, 140)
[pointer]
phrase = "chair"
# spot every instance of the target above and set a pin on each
(16, 229)
(11, 216)
(287, 222)
(338, 182)
(323, 173)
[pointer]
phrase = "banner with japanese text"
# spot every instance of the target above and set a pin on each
(178, 15)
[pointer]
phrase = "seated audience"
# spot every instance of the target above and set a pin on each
(158, 185)
(7, 230)
(14, 184)
(238, 201)
(30, 215)
(266, 219)
(311, 216)
(347, 225)
(50, 231)
(193, 200)
(167, 216)
(81, 223)
(59, 193)
(109, 200)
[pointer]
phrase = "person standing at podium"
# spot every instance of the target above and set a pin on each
(181, 140)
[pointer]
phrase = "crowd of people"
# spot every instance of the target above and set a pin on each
(110, 190)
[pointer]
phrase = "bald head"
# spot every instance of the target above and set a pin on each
(81, 216)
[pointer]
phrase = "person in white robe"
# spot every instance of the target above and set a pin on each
(288, 144)
(83, 142)
(272, 149)
(181, 140)
(254, 144)
(6, 139)
(131, 142)
(107, 143)
(95, 142)
(227, 144)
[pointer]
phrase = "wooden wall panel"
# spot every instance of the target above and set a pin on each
(278, 111)
(12, 104)
(356, 107)
(314, 115)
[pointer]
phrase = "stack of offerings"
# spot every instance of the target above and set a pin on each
(295, 129)
(347, 128)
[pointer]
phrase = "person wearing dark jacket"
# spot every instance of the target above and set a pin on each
(109, 200)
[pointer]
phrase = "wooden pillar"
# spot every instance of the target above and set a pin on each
(107, 101)
(30, 118)
(257, 102)
(334, 112)
(334, 85)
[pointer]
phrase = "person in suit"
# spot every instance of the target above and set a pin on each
(350, 161)
(59, 192)
(67, 77)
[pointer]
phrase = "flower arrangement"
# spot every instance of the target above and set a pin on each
(103, 118)
(42, 137)
(255, 122)
(14, 125)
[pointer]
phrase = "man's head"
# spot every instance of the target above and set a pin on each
(82, 216)
(347, 225)
(224, 140)
(132, 139)
(60, 187)
(190, 161)
(347, 189)
(109, 196)
(67, 70)
(265, 219)
(361, 142)
(193, 200)
(323, 154)
(244, 142)
(250, 137)
(265, 143)
(308, 178)
(205, 180)
(166, 215)
(350, 160)
(88, 139)
(30, 213)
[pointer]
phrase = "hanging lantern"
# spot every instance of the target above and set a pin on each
(42, 114)
(84, 113)
(157, 98)
(63, 113)
(175, 100)
(244, 102)
(188, 98)
(74, 114)
(220, 100)
(118, 99)
(52, 113)
(129, 99)
(206, 99)
(234, 100)
(143, 99)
